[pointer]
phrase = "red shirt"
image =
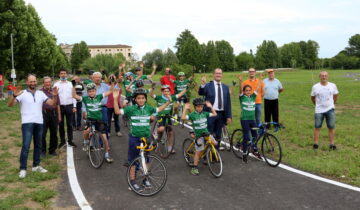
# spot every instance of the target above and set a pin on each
(110, 102)
(166, 80)
(1, 79)
(11, 88)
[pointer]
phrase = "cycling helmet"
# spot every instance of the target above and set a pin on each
(198, 101)
(90, 86)
(128, 74)
(139, 83)
(181, 73)
(139, 91)
(165, 87)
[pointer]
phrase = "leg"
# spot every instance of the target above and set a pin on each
(319, 117)
(78, 114)
(69, 115)
(38, 130)
(61, 125)
(109, 117)
(27, 133)
(330, 122)
(45, 128)
(246, 133)
(275, 111)
(252, 124)
(105, 119)
(267, 110)
(53, 133)
(117, 122)
(258, 108)
(160, 131)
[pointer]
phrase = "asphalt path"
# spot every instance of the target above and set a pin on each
(254, 185)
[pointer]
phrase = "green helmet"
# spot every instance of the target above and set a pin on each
(181, 73)
(90, 86)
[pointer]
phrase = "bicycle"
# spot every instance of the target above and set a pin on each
(95, 149)
(225, 138)
(213, 157)
(164, 147)
(270, 146)
(148, 167)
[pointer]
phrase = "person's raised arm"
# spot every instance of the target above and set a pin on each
(54, 92)
(240, 77)
(151, 93)
(116, 95)
(187, 107)
(154, 66)
(202, 86)
(259, 84)
(78, 98)
(213, 112)
(142, 68)
(181, 93)
(162, 107)
(107, 93)
(12, 100)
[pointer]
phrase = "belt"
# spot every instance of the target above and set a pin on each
(67, 105)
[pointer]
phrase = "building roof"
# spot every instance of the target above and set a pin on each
(109, 46)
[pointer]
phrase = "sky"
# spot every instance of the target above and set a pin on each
(155, 24)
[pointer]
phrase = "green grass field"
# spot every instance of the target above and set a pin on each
(297, 114)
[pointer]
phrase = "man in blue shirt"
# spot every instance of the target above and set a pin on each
(272, 89)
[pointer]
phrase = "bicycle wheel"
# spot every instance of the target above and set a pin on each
(214, 161)
(225, 138)
(271, 150)
(96, 152)
(189, 151)
(236, 143)
(156, 176)
(165, 145)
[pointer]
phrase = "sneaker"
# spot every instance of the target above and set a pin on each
(315, 146)
(39, 169)
(136, 187)
(244, 157)
(257, 155)
(194, 171)
(108, 159)
(146, 183)
(332, 147)
(85, 147)
(72, 144)
(119, 134)
(61, 145)
(22, 174)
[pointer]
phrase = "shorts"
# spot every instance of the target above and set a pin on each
(185, 99)
(201, 142)
(99, 125)
(162, 123)
(133, 152)
(330, 119)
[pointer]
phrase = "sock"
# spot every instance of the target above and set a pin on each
(106, 154)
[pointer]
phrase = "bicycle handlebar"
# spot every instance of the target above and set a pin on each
(143, 139)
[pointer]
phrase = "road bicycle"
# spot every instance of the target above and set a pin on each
(212, 156)
(95, 148)
(270, 146)
(147, 167)
(225, 138)
(164, 144)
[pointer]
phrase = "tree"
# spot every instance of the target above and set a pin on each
(354, 46)
(226, 56)
(245, 61)
(291, 55)
(183, 37)
(154, 57)
(79, 53)
(191, 53)
(344, 61)
(107, 62)
(211, 60)
(170, 58)
(267, 55)
(311, 54)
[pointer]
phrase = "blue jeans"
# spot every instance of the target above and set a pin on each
(30, 130)
(329, 116)
(246, 126)
(104, 112)
(258, 108)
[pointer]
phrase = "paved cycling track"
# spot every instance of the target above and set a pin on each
(254, 185)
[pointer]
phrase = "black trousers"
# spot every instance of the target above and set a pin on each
(215, 125)
(76, 122)
(110, 114)
(271, 110)
(66, 111)
(50, 123)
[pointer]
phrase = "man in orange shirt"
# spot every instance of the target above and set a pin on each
(252, 81)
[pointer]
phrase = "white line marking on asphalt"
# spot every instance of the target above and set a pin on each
(74, 184)
(339, 184)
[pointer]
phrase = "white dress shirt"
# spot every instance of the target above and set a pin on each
(215, 105)
(65, 93)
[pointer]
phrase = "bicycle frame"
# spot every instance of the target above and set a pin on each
(143, 148)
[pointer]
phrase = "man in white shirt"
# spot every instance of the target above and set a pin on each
(324, 95)
(31, 103)
(67, 108)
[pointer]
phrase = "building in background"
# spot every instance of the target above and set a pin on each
(102, 49)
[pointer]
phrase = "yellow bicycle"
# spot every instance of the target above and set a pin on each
(213, 157)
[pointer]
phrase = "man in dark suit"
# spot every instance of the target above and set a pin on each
(218, 95)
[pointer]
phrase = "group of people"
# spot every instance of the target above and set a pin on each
(98, 102)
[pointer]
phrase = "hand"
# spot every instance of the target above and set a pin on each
(59, 118)
(55, 91)
(141, 65)
(122, 66)
(169, 98)
(84, 115)
(154, 66)
(208, 104)
(73, 82)
(116, 93)
(228, 121)
(262, 76)
(187, 106)
(17, 91)
(74, 109)
(240, 77)
(203, 80)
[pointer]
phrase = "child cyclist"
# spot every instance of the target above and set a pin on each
(181, 84)
(139, 116)
(93, 107)
(199, 124)
(247, 119)
(162, 99)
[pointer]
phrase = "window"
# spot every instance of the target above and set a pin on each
(121, 50)
(98, 50)
(118, 50)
